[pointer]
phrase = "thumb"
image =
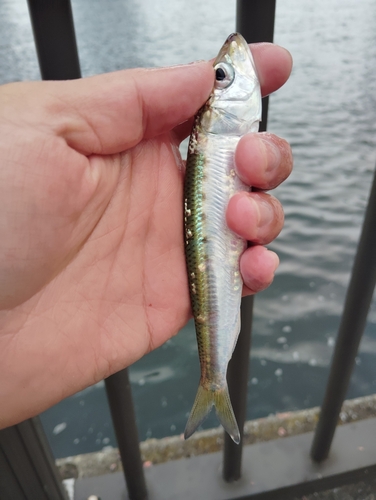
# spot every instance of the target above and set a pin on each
(110, 113)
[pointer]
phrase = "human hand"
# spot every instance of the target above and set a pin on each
(92, 270)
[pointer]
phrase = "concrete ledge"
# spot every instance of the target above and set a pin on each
(156, 451)
(279, 469)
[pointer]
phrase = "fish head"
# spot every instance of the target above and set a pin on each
(234, 106)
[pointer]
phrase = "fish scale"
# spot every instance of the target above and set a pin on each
(212, 250)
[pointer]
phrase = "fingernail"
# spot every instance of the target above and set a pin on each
(274, 258)
(265, 210)
(273, 154)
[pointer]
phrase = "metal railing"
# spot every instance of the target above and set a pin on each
(55, 41)
(357, 304)
(255, 20)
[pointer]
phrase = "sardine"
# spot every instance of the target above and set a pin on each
(212, 250)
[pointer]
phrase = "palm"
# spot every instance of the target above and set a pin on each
(137, 272)
(124, 290)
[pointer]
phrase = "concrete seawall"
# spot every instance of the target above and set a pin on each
(156, 451)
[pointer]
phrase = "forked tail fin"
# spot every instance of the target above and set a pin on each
(204, 401)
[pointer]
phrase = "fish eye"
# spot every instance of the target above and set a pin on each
(224, 75)
(220, 74)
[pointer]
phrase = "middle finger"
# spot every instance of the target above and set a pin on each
(256, 216)
(263, 160)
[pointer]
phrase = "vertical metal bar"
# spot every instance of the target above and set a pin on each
(55, 39)
(237, 378)
(24, 450)
(357, 303)
(19, 461)
(35, 440)
(255, 21)
(119, 395)
(9, 485)
(28, 459)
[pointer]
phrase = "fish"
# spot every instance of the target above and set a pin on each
(212, 250)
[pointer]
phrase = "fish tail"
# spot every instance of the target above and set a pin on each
(205, 400)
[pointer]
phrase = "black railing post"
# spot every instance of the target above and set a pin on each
(255, 21)
(27, 466)
(357, 303)
(55, 39)
(237, 379)
(119, 396)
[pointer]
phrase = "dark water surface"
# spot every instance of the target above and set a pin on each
(328, 113)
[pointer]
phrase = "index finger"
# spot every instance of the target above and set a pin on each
(274, 65)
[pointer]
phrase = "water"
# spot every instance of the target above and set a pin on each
(328, 112)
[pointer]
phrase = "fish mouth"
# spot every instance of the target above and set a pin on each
(234, 44)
